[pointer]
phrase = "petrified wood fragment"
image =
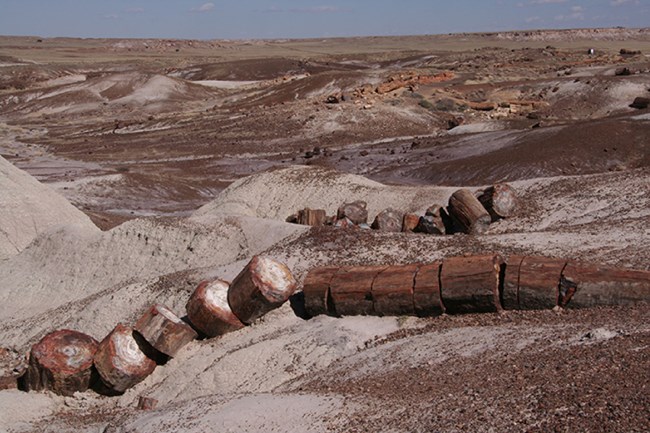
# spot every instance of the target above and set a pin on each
(468, 213)
(163, 330)
(121, 361)
(355, 211)
(208, 309)
(311, 217)
(317, 290)
(601, 285)
(392, 290)
(351, 290)
(13, 365)
(388, 220)
(410, 222)
(263, 285)
(471, 284)
(426, 291)
(147, 403)
(500, 201)
(61, 362)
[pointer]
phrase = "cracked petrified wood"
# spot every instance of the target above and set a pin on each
(356, 212)
(471, 284)
(351, 290)
(468, 213)
(208, 309)
(263, 285)
(163, 330)
(388, 220)
(500, 201)
(121, 360)
(426, 291)
(392, 291)
(316, 289)
(61, 362)
(311, 217)
(410, 222)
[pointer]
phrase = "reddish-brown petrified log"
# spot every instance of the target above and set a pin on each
(61, 362)
(500, 201)
(351, 290)
(312, 217)
(208, 309)
(410, 222)
(426, 291)
(392, 290)
(468, 213)
(262, 286)
(121, 361)
(316, 289)
(539, 282)
(164, 330)
(147, 403)
(510, 292)
(389, 220)
(471, 284)
(601, 285)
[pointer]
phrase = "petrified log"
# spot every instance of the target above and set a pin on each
(600, 285)
(355, 211)
(121, 361)
(410, 222)
(311, 217)
(147, 403)
(539, 282)
(317, 290)
(263, 285)
(510, 293)
(468, 213)
(208, 309)
(351, 290)
(426, 291)
(500, 201)
(389, 220)
(430, 225)
(392, 290)
(163, 330)
(471, 284)
(61, 362)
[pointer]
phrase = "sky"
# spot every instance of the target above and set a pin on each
(255, 19)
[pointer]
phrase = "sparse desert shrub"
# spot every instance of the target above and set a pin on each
(426, 104)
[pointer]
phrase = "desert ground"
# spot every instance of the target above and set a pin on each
(132, 170)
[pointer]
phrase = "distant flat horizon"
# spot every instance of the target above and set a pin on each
(307, 19)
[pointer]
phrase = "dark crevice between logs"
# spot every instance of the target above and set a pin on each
(566, 289)
(442, 303)
(331, 308)
(501, 283)
(200, 335)
(415, 277)
(297, 302)
(150, 352)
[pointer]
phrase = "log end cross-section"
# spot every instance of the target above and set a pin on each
(263, 285)
(61, 362)
(208, 309)
(121, 361)
(163, 330)
(471, 284)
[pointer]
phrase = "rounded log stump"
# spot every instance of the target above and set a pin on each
(351, 290)
(500, 201)
(392, 291)
(468, 213)
(263, 285)
(426, 291)
(208, 309)
(61, 362)
(121, 361)
(164, 331)
(471, 284)
(317, 290)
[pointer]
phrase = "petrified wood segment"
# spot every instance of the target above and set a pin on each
(426, 291)
(539, 282)
(317, 290)
(355, 212)
(471, 284)
(351, 290)
(468, 213)
(163, 330)
(147, 403)
(410, 222)
(392, 290)
(389, 220)
(61, 362)
(208, 309)
(121, 361)
(312, 217)
(262, 286)
(601, 285)
(510, 292)
(500, 201)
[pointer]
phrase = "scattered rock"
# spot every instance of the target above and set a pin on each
(621, 72)
(640, 103)
(389, 220)
(356, 212)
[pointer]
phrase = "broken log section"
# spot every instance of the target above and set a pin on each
(208, 309)
(468, 213)
(121, 360)
(510, 292)
(262, 286)
(317, 291)
(351, 290)
(61, 362)
(147, 403)
(471, 284)
(426, 291)
(163, 330)
(312, 217)
(500, 201)
(356, 212)
(389, 220)
(392, 291)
